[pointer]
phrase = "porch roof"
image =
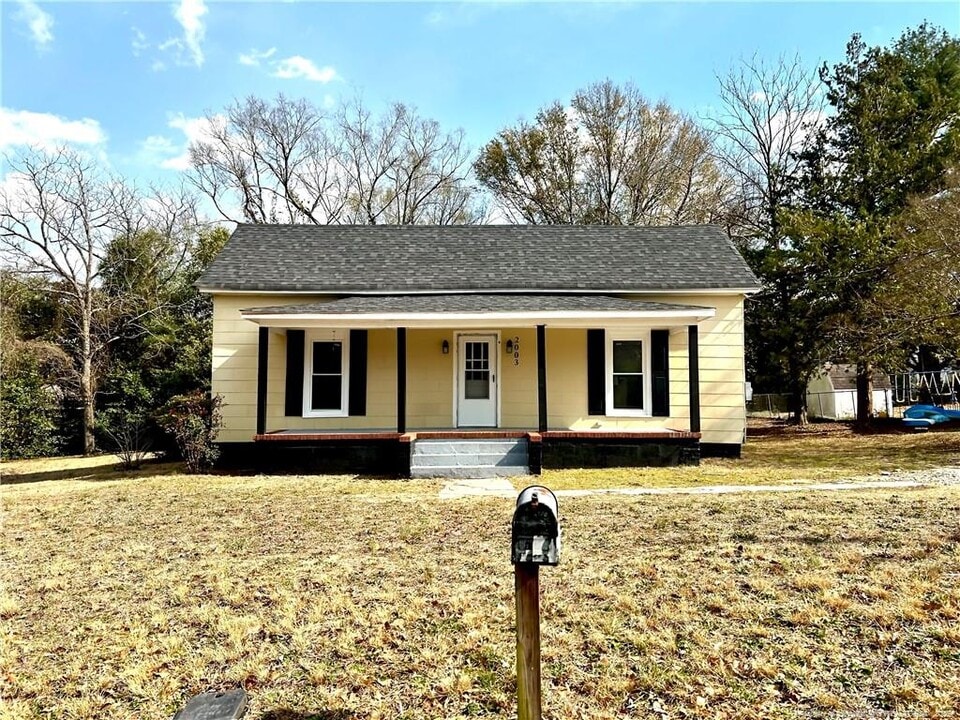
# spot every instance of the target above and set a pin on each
(469, 309)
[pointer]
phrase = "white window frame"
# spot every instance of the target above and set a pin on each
(315, 336)
(642, 336)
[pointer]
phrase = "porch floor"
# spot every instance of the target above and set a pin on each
(474, 433)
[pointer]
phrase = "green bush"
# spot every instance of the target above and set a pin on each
(194, 420)
(125, 419)
(29, 413)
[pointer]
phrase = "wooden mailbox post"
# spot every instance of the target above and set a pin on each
(535, 542)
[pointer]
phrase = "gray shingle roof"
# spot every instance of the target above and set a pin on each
(469, 303)
(492, 258)
(844, 377)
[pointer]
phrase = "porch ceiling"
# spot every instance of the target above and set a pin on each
(467, 310)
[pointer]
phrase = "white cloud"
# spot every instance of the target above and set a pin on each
(290, 68)
(254, 57)
(189, 13)
(300, 67)
(22, 127)
(38, 21)
(186, 49)
(194, 130)
(139, 42)
(161, 151)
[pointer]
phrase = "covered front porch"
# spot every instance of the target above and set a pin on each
(392, 453)
(365, 383)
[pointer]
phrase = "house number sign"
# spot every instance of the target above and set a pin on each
(516, 350)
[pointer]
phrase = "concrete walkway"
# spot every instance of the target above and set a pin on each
(502, 487)
(460, 488)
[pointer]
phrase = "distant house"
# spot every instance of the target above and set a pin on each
(478, 349)
(832, 393)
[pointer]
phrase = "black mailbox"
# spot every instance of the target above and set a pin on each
(536, 528)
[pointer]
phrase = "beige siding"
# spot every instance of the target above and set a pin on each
(235, 364)
(567, 386)
(430, 376)
(518, 381)
(381, 388)
(722, 409)
(429, 379)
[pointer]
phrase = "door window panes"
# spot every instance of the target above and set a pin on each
(476, 370)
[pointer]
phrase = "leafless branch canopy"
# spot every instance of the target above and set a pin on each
(61, 217)
(766, 112)
(289, 161)
(611, 157)
(60, 214)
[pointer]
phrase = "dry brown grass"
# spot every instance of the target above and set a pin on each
(814, 454)
(124, 597)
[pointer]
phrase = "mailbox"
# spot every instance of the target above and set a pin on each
(536, 527)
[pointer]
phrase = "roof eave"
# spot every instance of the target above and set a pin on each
(570, 319)
(744, 290)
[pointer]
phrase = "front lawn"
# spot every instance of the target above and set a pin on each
(815, 453)
(122, 597)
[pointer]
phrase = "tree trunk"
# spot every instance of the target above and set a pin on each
(86, 386)
(798, 392)
(798, 406)
(864, 392)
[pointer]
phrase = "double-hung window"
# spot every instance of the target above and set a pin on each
(628, 374)
(326, 381)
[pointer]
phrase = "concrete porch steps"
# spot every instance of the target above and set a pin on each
(469, 458)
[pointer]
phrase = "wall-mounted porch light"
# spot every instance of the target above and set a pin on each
(509, 347)
(445, 347)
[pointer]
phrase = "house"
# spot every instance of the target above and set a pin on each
(462, 350)
(832, 393)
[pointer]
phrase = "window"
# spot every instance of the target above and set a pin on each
(628, 376)
(325, 376)
(476, 370)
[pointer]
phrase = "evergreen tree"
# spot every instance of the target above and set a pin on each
(892, 141)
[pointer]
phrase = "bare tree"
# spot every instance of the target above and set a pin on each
(425, 170)
(289, 161)
(610, 157)
(766, 112)
(262, 162)
(59, 214)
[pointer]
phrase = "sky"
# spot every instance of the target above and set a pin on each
(131, 81)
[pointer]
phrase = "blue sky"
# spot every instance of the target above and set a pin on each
(131, 79)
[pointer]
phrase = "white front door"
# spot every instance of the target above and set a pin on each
(477, 381)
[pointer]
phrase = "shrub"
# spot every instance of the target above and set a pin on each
(194, 420)
(125, 418)
(128, 434)
(29, 414)
(34, 386)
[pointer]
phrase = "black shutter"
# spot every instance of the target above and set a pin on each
(596, 372)
(660, 362)
(293, 405)
(358, 372)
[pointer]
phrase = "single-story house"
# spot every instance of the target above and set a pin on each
(832, 393)
(461, 350)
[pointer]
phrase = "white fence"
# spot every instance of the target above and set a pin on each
(934, 388)
(838, 405)
(769, 405)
